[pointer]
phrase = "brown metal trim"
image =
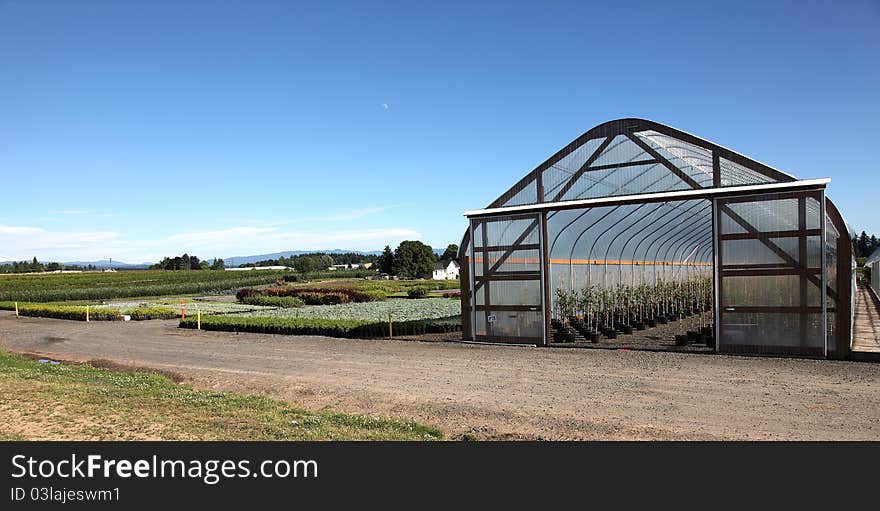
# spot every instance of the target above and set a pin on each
(844, 283)
(716, 169)
(508, 308)
(773, 234)
(509, 339)
(762, 266)
(624, 164)
(771, 350)
(464, 276)
(508, 276)
(499, 248)
(666, 163)
(768, 309)
(770, 272)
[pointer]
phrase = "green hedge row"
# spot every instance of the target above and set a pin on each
(329, 327)
(285, 302)
(78, 312)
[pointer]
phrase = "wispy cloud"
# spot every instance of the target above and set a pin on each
(24, 242)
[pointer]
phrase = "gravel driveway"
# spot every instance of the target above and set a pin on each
(495, 392)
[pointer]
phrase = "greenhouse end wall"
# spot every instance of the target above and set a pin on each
(633, 210)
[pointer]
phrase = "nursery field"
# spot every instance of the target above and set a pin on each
(125, 284)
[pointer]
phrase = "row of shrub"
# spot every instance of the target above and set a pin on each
(285, 302)
(349, 328)
(41, 288)
(78, 312)
(313, 296)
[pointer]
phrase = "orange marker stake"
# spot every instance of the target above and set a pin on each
(182, 310)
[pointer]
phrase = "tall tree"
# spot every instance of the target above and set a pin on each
(386, 260)
(413, 259)
(304, 264)
(218, 264)
(451, 253)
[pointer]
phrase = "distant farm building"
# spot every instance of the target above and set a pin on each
(445, 270)
(276, 268)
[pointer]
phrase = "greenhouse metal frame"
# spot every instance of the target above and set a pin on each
(634, 215)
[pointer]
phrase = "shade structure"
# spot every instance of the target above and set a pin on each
(634, 222)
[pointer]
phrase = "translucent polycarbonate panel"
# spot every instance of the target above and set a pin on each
(480, 323)
(512, 324)
(633, 180)
(734, 174)
(694, 161)
(815, 246)
(515, 261)
(770, 330)
(814, 213)
(767, 327)
(505, 231)
(514, 292)
(831, 238)
(757, 252)
(761, 215)
(527, 195)
(621, 150)
(767, 291)
(555, 177)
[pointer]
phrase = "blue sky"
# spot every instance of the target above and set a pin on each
(135, 130)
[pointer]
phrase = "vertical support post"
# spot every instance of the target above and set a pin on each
(198, 318)
(87, 313)
(390, 327)
(16, 309)
(716, 170)
(545, 278)
(824, 290)
(716, 245)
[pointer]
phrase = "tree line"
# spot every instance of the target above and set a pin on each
(36, 266)
(413, 259)
(864, 245)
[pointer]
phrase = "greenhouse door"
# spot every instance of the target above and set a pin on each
(770, 274)
(507, 269)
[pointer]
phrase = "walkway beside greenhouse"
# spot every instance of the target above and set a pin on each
(866, 326)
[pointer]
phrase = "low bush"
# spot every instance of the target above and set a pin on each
(330, 327)
(144, 313)
(454, 294)
(417, 292)
(74, 312)
(285, 302)
(313, 296)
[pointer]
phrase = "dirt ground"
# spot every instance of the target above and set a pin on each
(495, 392)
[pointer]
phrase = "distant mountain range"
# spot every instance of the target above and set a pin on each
(230, 261)
(104, 263)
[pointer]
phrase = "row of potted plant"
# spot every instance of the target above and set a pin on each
(597, 310)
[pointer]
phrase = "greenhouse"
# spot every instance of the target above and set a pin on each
(873, 263)
(638, 234)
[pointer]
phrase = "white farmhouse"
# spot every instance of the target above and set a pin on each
(445, 271)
